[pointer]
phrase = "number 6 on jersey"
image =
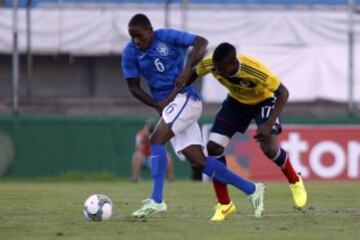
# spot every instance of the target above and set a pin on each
(159, 65)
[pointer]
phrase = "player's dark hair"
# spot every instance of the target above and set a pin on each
(140, 20)
(224, 51)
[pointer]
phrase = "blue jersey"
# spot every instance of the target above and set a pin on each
(161, 63)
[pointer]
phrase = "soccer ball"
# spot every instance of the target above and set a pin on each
(97, 208)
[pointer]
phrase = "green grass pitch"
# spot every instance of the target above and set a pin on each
(53, 210)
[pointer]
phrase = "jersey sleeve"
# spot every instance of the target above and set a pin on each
(273, 83)
(204, 66)
(177, 37)
(255, 67)
(129, 65)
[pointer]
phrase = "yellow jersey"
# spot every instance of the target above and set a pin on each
(252, 84)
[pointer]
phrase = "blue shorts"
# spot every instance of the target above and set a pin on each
(236, 117)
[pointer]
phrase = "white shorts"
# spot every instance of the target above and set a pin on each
(181, 115)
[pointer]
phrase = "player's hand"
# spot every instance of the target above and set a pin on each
(181, 80)
(263, 132)
(180, 84)
(162, 104)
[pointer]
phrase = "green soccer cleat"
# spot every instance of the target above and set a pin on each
(257, 199)
(149, 207)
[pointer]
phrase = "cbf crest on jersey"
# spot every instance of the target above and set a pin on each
(162, 49)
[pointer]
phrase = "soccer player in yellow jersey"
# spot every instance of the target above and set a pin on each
(254, 93)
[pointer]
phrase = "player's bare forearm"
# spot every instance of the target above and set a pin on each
(181, 83)
(264, 130)
(192, 77)
(198, 52)
(282, 95)
(139, 93)
(144, 97)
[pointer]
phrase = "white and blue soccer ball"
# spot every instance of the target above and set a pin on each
(98, 207)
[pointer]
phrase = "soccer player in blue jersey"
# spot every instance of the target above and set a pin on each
(158, 56)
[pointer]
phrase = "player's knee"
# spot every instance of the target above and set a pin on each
(214, 149)
(138, 156)
(197, 164)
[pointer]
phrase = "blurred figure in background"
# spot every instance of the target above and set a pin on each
(141, 156)
(7, 153)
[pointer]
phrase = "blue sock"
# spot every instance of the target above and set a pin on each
(158, 171)
(217, 170)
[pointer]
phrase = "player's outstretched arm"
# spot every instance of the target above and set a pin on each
(138, 92)
(198, 52)
(180, 84)
(192, 77)
(282, 95)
